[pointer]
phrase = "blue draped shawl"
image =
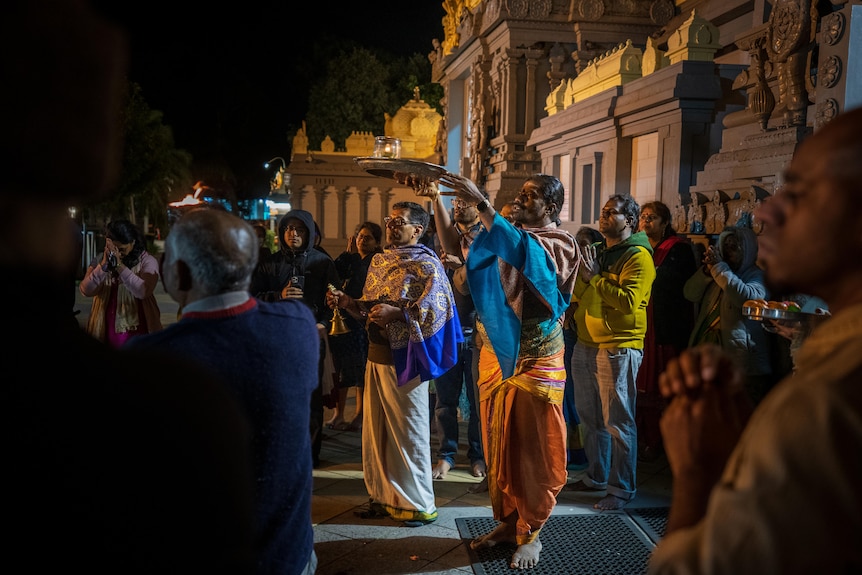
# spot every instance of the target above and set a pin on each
(524, 252)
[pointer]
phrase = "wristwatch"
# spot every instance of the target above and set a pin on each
(482, 206)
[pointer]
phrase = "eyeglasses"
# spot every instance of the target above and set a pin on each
(296, 230)
(610, 213)
(649, 218)
(391, 222)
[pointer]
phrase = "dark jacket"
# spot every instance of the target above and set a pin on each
(319, 271)
(672, 313)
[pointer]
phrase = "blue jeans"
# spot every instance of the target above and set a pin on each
(449, 386)
(605, 393)
(575, 454)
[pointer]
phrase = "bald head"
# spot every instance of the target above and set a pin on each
(208, 252)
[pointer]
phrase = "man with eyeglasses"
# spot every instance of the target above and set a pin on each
(456, 234)
(299, 271)
(612, 291)
(413, 336)
(777, 490)
(521, 280)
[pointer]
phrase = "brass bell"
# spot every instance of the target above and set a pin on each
(339, 327)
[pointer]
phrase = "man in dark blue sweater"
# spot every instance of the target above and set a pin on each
(267, 352)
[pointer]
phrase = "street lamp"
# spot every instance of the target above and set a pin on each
(268, 163)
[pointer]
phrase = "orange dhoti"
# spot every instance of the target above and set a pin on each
(524, 433)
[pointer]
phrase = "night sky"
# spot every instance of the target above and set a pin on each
(233, 81)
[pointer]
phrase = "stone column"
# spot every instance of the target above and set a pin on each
(343, 195)
(530, 88)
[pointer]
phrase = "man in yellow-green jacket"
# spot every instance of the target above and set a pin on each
(612, 291)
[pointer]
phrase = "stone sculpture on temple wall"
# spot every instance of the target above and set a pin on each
(678, 218)
(716, 216)
(695, 214)
(790, 38)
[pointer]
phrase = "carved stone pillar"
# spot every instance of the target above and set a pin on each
(532, 61)
(511, 58)
(364, 196)
(320, 207)
(385, 198)
(297, 197)
(343, 196)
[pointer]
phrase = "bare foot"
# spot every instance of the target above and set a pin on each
(527, 555)
(610, 503)
(478, 469)
(504, 533)
(441, 469)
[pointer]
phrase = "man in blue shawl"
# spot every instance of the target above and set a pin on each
(521, 279)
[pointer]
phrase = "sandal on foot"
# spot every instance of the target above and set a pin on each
(414, 523)
(371, 512)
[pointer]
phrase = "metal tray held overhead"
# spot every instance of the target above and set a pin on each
(399, 169)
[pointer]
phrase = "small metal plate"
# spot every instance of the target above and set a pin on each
(782, 315)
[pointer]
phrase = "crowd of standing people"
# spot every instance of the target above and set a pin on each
(199, 459)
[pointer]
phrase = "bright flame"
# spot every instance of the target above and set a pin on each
(189, 200)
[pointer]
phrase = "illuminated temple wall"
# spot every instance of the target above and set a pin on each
(676, 101)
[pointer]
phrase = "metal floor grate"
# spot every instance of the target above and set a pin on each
(605, 544)
(653, 520)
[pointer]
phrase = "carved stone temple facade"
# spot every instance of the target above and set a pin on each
(697, 103)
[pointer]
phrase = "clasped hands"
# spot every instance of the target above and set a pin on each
(707, 411)
(711, 256)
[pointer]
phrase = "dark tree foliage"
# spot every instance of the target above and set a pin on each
(360, 87)
(153, 170)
